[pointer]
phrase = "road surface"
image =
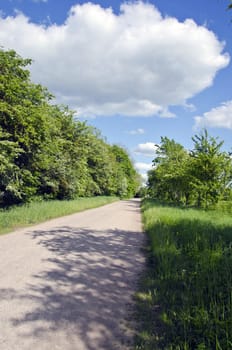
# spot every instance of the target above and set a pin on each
(68, 284)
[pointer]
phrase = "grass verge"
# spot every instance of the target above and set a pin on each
(185, 299)
(37, 212)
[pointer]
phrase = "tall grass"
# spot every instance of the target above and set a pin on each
(36, 212)
(185, 300)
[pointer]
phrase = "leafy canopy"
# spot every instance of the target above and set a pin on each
(45, 151)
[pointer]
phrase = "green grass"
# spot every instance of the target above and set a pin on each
(185, 301)
(37, 212)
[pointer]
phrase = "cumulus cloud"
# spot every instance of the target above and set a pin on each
(135, 63)
(141, 167)
(147, 149)
(138, 131)
(220, 117)
(144, 178)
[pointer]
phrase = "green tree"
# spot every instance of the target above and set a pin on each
(210, 169)
(21, 111)
(62, 165)
(169, 179)
(126, 177)
(45, 151)
(9, 172)
(99, 165)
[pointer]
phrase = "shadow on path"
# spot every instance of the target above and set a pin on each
(85, 288)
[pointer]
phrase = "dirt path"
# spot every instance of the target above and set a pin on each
(67, 284)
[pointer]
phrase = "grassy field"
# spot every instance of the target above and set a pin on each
(185, 299)
(36, 212)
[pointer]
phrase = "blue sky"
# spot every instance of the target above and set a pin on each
(135, 70)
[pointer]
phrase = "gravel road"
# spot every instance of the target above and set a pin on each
(67, 284)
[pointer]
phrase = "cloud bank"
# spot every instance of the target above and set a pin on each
(140, 166)
(220, 117)
(135, 63)
(147, 149)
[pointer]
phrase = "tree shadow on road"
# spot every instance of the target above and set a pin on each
(85, 289)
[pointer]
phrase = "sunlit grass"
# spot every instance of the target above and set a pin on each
(189, 279)
(36, 212)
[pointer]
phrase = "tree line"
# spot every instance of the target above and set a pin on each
(45, 151)
(199, 177)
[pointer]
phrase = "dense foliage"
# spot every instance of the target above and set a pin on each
(45, 151)
(200, 177)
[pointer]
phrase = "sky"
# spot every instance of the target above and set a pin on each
(135, 70)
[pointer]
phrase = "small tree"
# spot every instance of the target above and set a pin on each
(210, 169)
(169, 178)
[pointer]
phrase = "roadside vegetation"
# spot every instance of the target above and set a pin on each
(46, 151)
(200, 177)
(39, 211)
(185, 299)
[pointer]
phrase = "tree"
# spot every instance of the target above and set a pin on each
(61, 164)
(168, 180)
(45, 151)
(210, 169)
(200, 177)
(9, 171)
(100, 164)
(22, 106)
(125, 175)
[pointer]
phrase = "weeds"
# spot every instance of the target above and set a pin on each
(189, 280)
(36, 212)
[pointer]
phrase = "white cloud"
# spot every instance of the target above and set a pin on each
(144, 178)
(138, 131)
(147, 149)
(220, 117)
(39, 0)
(141, 167)
(135, 63)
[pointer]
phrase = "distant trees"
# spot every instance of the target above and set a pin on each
(44, 151)
(126, 177)
(199, 177)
